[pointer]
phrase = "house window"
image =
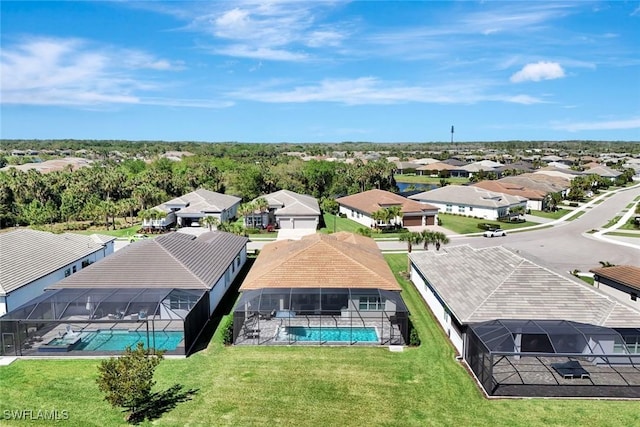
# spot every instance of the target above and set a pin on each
(86, 263)
(370, 303)
(182, 302)
(67, 272)
(634, 296)
(460, 209)
(470, 208)
(632, 343)
(238, 261)
(75, 269)
(449, 208)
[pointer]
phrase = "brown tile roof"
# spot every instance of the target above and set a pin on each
(624, 274)
(373, 200)
(512, 189)
(340, 260)
(437, 167)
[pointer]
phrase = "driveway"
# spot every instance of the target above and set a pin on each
(294, 234)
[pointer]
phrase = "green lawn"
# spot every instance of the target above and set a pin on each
(621, 234)
(553, 215)
(308, 386)
(466, 225)
(121, 232)
(420, 179)
(611, 222)
(341, 224)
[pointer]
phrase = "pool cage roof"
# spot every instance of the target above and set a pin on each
(87, 304)
(560, 337)
(312, 299)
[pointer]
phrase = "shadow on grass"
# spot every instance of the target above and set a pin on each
(160, 403)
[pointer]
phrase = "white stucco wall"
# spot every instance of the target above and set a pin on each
(222, 285)
(357, 216)
(34, 289)
(438, 310)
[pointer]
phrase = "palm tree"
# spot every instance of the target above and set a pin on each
(428, 237)
(211, 221)
(394, 213)
(440, 239)
(246, 210)
(412, 238)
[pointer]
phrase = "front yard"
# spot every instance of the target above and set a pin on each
(467, 225)
(307, 386)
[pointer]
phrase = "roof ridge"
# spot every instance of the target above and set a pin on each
(159, 243)
(521, 261)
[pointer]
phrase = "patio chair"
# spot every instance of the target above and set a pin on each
(570, 370)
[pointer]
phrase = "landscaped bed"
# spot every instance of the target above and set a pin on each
(308, 386)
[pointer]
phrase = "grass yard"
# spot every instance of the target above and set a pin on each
(467, 225)
(622, 234)
(341, 224)
(552, 215)
(423, 179)
(121, 232)
(308, 386)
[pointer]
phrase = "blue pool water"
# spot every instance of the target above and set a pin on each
(302, 333)
(119, 340)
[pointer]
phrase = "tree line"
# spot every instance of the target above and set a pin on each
(108, 189)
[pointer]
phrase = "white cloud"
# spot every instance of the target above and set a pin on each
(373, 91)
(633, 123)
(538, 71)
(74, 72)
(263, 53)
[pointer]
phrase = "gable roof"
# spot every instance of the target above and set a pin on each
(27, 255)
(174, 260)
(340, 260)
(494, 283)
(289, 203)
(628, 275)
(202, 200)
(474, 196)
(542, 182)
(439, 166)
(373, 200)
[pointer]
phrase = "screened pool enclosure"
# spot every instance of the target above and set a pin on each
(105, 321)
(286, 316)
(554, 358)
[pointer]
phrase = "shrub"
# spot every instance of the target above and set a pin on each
(227, 330)
(414, 337)
(253, 231)
(127, 380)
(439, 221)
(574, 204)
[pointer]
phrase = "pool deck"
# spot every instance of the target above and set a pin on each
(263, 331)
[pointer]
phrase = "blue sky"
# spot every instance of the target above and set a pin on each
(321, 71)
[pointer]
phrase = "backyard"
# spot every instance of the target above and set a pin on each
(307, 386)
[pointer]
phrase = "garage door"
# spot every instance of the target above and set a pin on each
(431, 220)
(409, 221)
(304, 223)
(285, 223)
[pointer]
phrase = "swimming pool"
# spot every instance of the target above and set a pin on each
(118, 340)
(344, 334)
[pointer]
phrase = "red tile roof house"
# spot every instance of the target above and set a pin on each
(361, 206)
(322, 289)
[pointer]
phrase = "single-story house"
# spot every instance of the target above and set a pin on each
(31, 260)
(321, 289)
(540, 182)
(604, 172)
(471, 201)
(288, 210)
(438, 169)
(517, 324)
(160, 291)
(192, 207)
(405, 167)
(620, 281)
(361, 206)
(536, 199)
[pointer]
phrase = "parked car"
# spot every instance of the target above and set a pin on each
(498, 232)
(138, 236)
(195, 224)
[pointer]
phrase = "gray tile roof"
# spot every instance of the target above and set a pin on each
(494, 283)
(202, 200)
(27, 255)
(467, 195)
(290, 203)
(174, 260)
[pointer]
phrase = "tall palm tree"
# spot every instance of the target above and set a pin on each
(395, 214)
(246, 211)
(412, 238)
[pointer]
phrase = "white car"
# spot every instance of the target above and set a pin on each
(498, 232)
(195, 224)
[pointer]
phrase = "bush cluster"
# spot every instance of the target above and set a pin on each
(227, 330)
